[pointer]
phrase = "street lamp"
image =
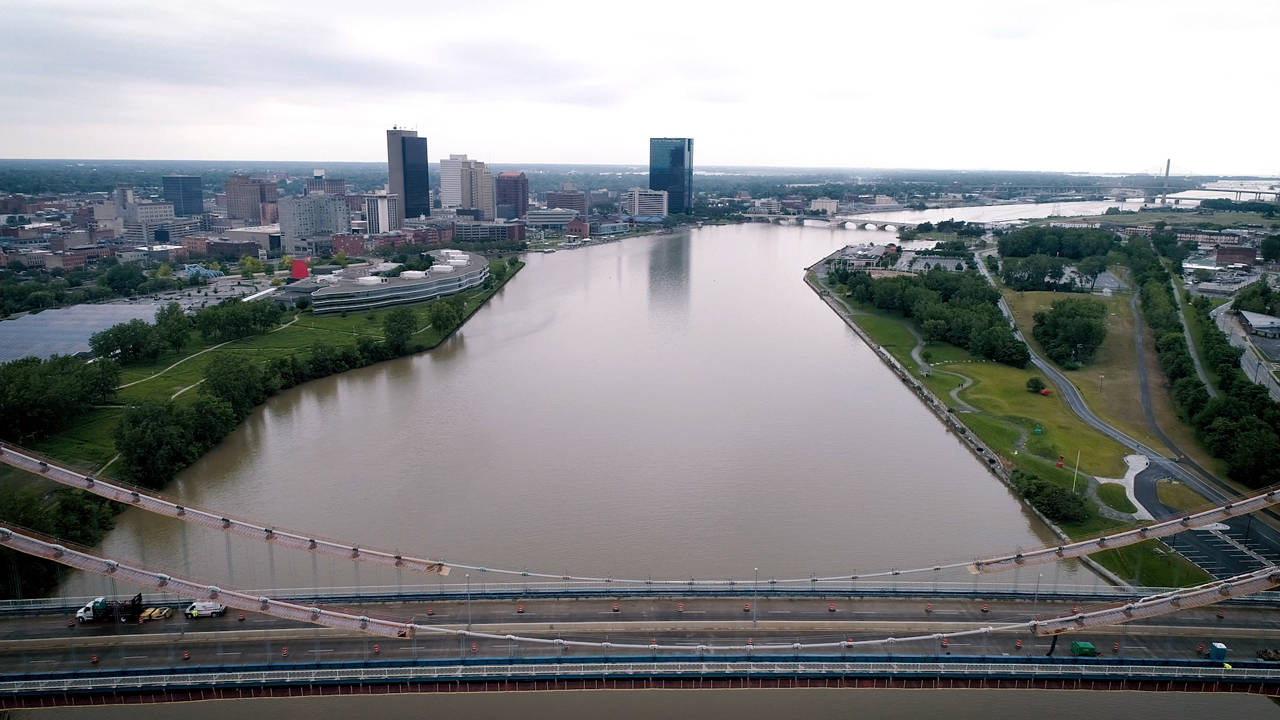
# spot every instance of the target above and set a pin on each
(1100, 382)
(1036, 599)
(468, 601)
(755, 592)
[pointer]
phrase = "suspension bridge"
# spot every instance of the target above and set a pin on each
(843, 629)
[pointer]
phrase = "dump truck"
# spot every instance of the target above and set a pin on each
(103, 610)
(1083, 649)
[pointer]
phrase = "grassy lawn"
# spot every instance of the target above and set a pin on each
(1180, 497)
(1008, 411)
(89, 444)
(1217, 220)
(1113, 494)
(1109, 384)
(1152, 564)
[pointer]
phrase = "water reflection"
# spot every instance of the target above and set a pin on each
(670, 261)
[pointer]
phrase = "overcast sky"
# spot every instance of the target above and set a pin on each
(1078, 86)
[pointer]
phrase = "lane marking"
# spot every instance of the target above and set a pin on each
(319, 651)
(41, 662)
(134, 657)
(779, 612)
(228, 653)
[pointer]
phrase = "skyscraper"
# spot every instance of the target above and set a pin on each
(467, 185)
(185, 193)
(671, 169)
(382, 213)
(511, 194)
(407, 171)
(252, 199)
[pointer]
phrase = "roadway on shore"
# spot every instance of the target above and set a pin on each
(1218, 557)
(42, 644)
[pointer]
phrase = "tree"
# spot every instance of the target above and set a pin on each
(173, 327)
(236, 380)
(341, 258)
(1035, 385)
(154, 443)
(1091, 267)
(164, 271)
(444, 316)
(123, 279)
(1271, 248)
(128, 342)
(398, 327)
(1071, 330)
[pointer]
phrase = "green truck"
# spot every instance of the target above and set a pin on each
(1083, 649)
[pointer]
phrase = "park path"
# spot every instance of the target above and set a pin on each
(927, 369)
(195, 354)
(1191, 344)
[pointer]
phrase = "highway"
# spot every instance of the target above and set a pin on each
(46, 644)
(1220, 558)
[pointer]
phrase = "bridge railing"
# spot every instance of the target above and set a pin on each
(481, 591)
(677, 668)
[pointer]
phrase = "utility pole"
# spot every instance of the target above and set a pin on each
(1077, 472)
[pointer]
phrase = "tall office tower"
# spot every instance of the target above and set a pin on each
(511, 194)
(309, 216)
(252, 199)
(407, 171)
(185, 193)
(382, 213)
(568, 200)
(671, 169)
(319, 182)
(467, 185)
(451, 180)
(481, 191)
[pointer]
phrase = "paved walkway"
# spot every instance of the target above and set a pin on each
(1191, 344)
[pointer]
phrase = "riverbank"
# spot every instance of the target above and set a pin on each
(1001, 440)
(90, 444)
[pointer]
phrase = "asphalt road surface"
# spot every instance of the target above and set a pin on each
(41, 644)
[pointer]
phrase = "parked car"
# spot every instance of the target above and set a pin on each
(205, 608)
(157, 613)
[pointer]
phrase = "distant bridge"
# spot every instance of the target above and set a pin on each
(834, 221)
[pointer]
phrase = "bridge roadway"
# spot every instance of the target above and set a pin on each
(49, 644)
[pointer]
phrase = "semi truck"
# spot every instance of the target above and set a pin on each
(103, 610)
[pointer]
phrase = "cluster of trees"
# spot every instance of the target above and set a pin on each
(1074, 243)
(1071, 330)
(1056, 503)
(1242, 424)
(139, 340)
(71, 515)
(1038, 258)
(39, 397)
(231, 319)
(23, 288)
(959, 227)
(157, 439)
(1257, 206)
(1043, 272)
(956, 307)
(1259, 298)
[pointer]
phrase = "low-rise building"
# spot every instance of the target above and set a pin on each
(642, 203)
(452, 271)
(550, 218)
(859, 257)
(1232, 254)
(232, 249)
(267, 237)
(824, 205)
(1259, 324)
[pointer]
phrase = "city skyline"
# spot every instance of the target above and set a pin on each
(1010, 86)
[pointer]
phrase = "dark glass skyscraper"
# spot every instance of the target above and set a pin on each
(407, 171)
(185, 194)
(671, 169)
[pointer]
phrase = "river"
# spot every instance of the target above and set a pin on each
(671, 405)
